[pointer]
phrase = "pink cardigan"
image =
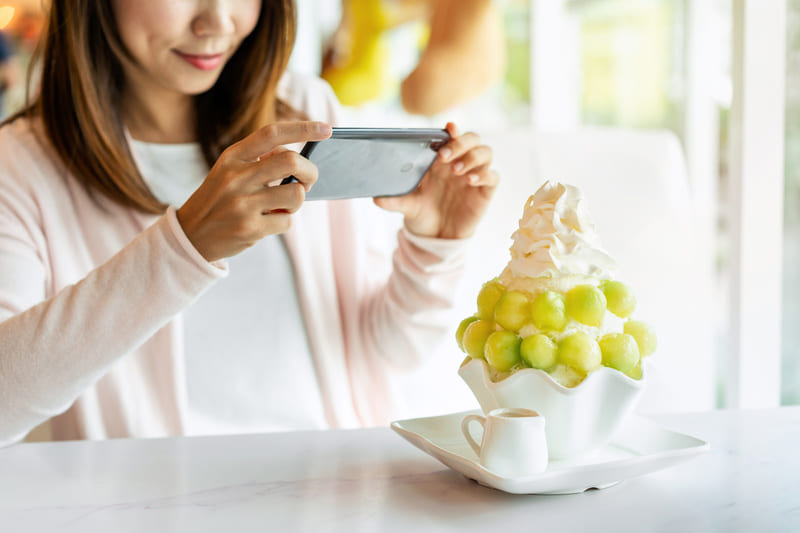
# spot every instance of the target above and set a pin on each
(91, 295)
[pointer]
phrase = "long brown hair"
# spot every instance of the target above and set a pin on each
(82, 80)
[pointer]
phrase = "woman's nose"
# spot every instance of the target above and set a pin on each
(214, 18)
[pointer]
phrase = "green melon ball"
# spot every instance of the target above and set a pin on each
(619, 351)
(502, 350)
(487, 299)
(512, 310)
(619, 297)
(587, 305)
(475, 337)
(580, 352)
(549, 311)
(636, 371)
(644, 334)
(538, 351)
(462, 327)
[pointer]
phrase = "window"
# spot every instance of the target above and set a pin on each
(790, 367)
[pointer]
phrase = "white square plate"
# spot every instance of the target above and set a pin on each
(639, 447)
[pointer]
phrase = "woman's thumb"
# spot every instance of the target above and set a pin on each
(400, 204)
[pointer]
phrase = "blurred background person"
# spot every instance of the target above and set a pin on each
(456, 50)
(9, 70)
(20, 26)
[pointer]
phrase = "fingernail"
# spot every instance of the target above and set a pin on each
(324, 129)
(446, 153)
(458, 167)
(473, 178)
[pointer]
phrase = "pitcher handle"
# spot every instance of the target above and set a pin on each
(465, 430)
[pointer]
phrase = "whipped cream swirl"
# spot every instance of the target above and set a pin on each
(556, 237)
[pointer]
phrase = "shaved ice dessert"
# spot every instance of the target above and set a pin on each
(555, 331)
(556, 306)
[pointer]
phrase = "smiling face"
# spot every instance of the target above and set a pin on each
(181, 46)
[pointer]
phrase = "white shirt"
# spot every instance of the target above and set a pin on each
(248, 362)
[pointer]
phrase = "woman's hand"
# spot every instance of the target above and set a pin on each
(239, 202)
(453, 196)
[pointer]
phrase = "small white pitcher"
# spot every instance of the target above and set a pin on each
(513, 442)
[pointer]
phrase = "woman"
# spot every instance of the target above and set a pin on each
(244, 309)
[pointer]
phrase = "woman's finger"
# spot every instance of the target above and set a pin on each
(266, 212)
(458, 146)
(266, 139)
(408, 205)
(452, 129)
(483, 177)
(278, 166)
(474, 158)
(278, 199)
(252, 229)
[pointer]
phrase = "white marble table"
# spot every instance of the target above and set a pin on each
(372, 480)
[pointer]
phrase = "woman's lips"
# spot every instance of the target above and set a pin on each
(202, 61)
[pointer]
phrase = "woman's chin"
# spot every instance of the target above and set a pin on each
(198, 87)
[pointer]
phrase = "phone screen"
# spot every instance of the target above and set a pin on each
(369, 167)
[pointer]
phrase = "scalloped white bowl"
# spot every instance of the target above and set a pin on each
(577, 420)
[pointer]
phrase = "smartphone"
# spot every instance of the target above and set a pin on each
(370, 162)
